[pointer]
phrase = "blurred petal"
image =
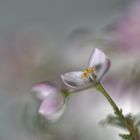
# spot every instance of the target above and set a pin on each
(44, 89)
(100, 62)
(103, 69)
(74, 79)
(97, 58)
(53, 106)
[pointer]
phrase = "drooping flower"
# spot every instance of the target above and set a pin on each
(98, 65)
(53, 101)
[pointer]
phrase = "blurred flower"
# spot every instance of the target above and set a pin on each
(53, 102)
(127, 27)
(98, 65)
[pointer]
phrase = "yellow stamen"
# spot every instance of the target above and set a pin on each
(85, 75)
(90, 70)
(87, 72)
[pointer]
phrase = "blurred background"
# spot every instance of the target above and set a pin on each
(41, 39)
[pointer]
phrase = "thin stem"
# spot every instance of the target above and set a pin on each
(118, 112)
(130, 126)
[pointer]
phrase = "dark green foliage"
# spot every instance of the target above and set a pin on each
(113, 120)
(126, 136)
(133, 121)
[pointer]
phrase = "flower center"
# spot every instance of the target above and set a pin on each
(87, 72)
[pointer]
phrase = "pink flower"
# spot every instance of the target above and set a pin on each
(127, 27)
(98, 65)
(53, 101)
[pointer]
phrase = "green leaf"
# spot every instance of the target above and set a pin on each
(126, 136)
(113, 120)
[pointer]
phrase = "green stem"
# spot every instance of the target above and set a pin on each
(118, 112)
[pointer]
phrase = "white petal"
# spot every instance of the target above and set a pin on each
(103, 69)
(97, 58)
(100, 62)
(74, 79)
(52, 107)
(44, 89)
